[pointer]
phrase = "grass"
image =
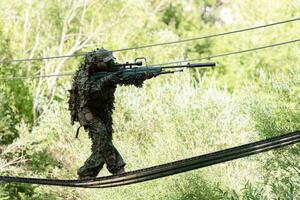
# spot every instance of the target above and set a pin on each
(172, 118)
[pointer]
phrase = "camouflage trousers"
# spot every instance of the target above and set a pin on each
(103, 150)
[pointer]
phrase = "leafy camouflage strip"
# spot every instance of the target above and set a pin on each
(91, 103)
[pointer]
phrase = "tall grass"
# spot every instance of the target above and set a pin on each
(172, 118)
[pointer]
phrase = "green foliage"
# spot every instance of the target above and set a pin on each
(42, 162)
(248, 192)
(23, 192)
(172, 15)
(275, 110)
(8, 131)
(247, 97)
(18, 93)
(274, 103)
(284, 188)
(24, 156)
(193, 187)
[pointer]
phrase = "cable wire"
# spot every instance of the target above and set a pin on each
(169, 63)
(157, 44)
(231, 53)
(36, 77)
(167, 169)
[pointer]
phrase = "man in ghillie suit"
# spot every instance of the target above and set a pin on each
(91, 104)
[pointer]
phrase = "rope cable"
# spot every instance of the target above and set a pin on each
(231, 53)
(167, 169)
(175, 62)
(157, 44)
(36, 77)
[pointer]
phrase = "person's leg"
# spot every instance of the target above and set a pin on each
(92, 166)
(113, 159)
(98, 135)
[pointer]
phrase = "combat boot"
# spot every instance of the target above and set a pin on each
(86, 177)
(119, 171)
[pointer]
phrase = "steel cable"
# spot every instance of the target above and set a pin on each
(169, 168)
(157, 44)
(168, 63)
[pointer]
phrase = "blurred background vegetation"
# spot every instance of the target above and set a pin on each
(246, 98)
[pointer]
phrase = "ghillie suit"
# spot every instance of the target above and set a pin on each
(91, 104)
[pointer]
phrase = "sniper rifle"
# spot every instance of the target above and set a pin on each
(126, 71)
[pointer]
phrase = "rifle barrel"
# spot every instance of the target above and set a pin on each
(193, 65)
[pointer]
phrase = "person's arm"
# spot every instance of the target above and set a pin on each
(87, 85)
(97, 85)
(137, 80)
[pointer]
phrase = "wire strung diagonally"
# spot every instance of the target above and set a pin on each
(167, 169)
(36, 77)
(231, 53)
(169, 63)
(157, 44)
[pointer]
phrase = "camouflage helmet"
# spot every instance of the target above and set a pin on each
(99, 55)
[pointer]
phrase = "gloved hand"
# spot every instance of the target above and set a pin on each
(114, 77)
(148, 75)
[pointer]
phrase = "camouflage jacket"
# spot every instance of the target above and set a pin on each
(97, 96)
